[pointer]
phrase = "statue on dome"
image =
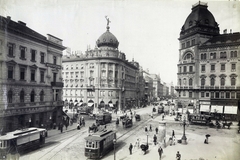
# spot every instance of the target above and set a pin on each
(108, 21)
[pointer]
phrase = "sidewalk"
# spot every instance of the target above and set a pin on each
(53, 132)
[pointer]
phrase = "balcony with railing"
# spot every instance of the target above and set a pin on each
(185, 87)
(90, 88)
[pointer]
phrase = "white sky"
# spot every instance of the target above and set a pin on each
(147, 30)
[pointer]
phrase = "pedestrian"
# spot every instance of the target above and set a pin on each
(178, 156)
(156, 130)
(173, 134)
(61, 127)
(150, 128)
(162, 117)
(155, 139)
(130, 148)
(146, 128)
(160, 152)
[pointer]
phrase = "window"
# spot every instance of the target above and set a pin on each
(76, 66)
(238, 95)
(42, 55)
(207, 94)
(184, 81)
(32, 96)
(183, 45)
(212, 67)
(222, 81)
(202, 81)
(9, 96)
(222, 94)
(212, 81)
(233, 67)
(217, 95)
(233, 81)
(233, 54)
(222, 67)
(212, 55)
(184, 93)
(22, 53)
(180, 82)
(41, 96)
(22, 96)
(41, 76)
(190, 68)
(212, 94)
(203, 56)
(190, 94)
(188, 43)
(227, 94)
(185, 69)
(202, 94)
(232, 95)
(10, 49)
(203, 68)
(180, 69)
(54, 77)
(33, 55)
(193, 42)
(223, 55)
(32, 75)
(10, 72)
(54, 60)
(190, 82)
(22, 73)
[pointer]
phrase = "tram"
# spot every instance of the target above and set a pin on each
(19, 140)
(201, 119)
(103, 118)
(99, 143)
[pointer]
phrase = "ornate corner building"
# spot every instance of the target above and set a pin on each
(209, 66)
(30, 77)
(102, 76)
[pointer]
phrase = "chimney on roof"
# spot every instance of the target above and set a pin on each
(225, 31)
(22, 23)
(8, 17)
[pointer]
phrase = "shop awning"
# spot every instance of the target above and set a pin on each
(90, 104)
(230, 109)
(215, 108)
(110, 104)
(204, 108)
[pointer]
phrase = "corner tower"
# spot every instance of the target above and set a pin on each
(199, 27)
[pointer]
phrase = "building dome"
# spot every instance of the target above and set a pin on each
(200, 17)
(107, 39)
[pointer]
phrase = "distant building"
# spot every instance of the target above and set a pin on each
(208, 67)
(31, 81)
(102, 77)
(156, 86)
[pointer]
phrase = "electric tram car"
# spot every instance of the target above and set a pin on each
(103, 118)
(99, 143)
(19, 140)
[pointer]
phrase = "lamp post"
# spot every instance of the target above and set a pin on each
(114, 143)
(29, 122)
(184, 123)
(165, 125)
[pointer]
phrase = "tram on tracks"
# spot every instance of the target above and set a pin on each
(99, 143)
(201, 119)
(19, 140)
(103, 118)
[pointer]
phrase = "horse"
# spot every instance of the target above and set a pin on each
(228, 124)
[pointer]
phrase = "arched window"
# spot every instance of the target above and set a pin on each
(202, 81)
(190, 82)
(22, 94)
(32, 96)
(41, 96)
(233, 81)
(212, 81)
(222, 81)
(184, 81)
(9, 96)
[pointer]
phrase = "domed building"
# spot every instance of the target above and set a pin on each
(101, 77)
(208, 67)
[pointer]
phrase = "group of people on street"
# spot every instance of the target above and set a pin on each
(81, 123)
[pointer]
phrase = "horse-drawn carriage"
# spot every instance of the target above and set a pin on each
(228, 124)
(137, 117)
(144, 147)
(127, 122)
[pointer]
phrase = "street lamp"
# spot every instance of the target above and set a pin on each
(147, 138)
(114, 143)
(29, 122)
(184, 123)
